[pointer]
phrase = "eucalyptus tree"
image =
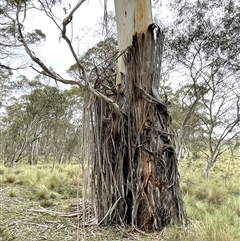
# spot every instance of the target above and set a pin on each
(65, 130)
(20, 132)
(184, 108)
(9, 86)
(220, 119)
(203, 43)
(127, 136)
(49, 105)
(38, 120)
(73, 123)
(27, 119)
(142, 152)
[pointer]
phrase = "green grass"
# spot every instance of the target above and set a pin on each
(212, 205)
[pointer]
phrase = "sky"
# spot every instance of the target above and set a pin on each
(54, 52)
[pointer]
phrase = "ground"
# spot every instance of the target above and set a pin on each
(19, 222)
(22, 222)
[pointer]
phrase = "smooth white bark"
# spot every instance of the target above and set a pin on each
(132, 16)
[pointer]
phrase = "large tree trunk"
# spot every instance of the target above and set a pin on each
(135, 165)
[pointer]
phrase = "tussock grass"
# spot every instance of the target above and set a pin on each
(12, 192)
(9, 178)
(2, 170)
(47, 203)
(5, 236)
(234, 206)
(45, 182)
(211, 194)
(207, 230)
(41, 192)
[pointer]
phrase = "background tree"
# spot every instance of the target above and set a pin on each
(99, 62)
(41, 122)
(203, 50)
(5, 85)
(220, 119)
(184, 105)
(27, 118)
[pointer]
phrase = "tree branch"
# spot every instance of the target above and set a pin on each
(66, 21)
(57, 77)
(31, 54)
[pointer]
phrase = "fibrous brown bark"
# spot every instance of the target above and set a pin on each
(135, 177)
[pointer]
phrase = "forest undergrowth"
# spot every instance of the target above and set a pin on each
(42, 203)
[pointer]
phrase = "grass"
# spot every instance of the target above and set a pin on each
(44, 182)
(212, 205)
(12, 192)
(207, 230)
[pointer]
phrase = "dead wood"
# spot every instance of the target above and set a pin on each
(78, 210)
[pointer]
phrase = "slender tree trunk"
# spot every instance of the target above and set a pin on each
(135, 164)
(181, 149)
(207, 167)
(61, 154)
(47, 146)
(33, 153)
(46, 156)
(185, 152)
(179, 143)
(69, 155)
(210, 161)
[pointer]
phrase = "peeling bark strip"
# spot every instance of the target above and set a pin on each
(135, 166)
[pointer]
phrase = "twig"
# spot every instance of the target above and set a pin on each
(41, 225)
